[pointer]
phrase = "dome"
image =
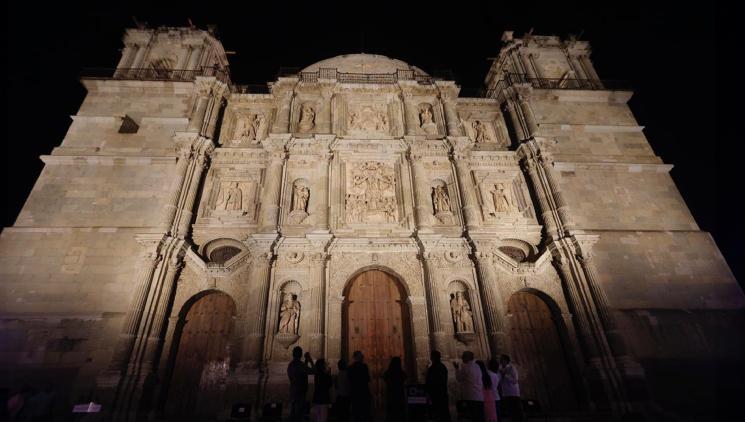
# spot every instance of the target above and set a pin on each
(363, 63)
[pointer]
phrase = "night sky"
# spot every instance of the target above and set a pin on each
(672, 53)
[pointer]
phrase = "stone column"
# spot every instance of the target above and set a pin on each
(163, 292)
(553, 186)
(322, 198)
(527, 65)
(143, 280)
(137, 62)
(494, 311)
(410, 111)
(171, 205)
(468, 191)
(424, 209)
(196, 121)
(531, 127)
(272, 190)
(185, 217)
(516, 120)
(451, 113)
(181, 65)
(547, 214)
(259, 281)
(316, 308)
(196, 54)
(615, 338)
(282, 122)
(438, 334)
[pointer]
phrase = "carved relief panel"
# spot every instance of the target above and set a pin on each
(486, 129)
(503, 196)
(232, 195)
(365, 116)
(370, 193)
(245, 127)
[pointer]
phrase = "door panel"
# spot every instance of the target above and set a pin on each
(376, 323)
(539, 355)
(203, 358)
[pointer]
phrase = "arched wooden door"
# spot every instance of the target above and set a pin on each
(202, 359)
(376, 322)
(541, 359)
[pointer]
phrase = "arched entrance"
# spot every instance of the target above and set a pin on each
(376, 321)
(540, 353)
(202, 358)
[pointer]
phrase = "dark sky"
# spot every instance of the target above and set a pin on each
(668, 51)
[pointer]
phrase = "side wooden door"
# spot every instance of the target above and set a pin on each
(203, 359)
(539, 354)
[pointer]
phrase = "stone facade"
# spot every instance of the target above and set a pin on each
(173, 183)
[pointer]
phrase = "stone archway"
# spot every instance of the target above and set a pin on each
(376, 319)
(540, 352)
(201, 357)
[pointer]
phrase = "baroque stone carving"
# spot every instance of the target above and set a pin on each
(249, 129)
(480, 132)
(368, 119)
(299, 204)
(371, 195)
(462, 314)
(230, 197)
(441, 203)
(289, 314)
(502, 199)
(426, 119)
(307, 118)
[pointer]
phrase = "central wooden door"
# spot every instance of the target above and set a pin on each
(377, 324)
(202, 360)
(540, 356)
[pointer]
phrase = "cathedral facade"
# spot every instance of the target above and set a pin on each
(189, 232)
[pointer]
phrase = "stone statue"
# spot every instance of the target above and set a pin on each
(462, 314)
(427, 124)
(440, 199)
(426, 116)
(307, 119)
(480, 133)
(254, 128)
(231, 199)
(300, 196)
(500, 197)
(289, 314)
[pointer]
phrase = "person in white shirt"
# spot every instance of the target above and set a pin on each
(471, 386)
(510, 390)
(496, 378)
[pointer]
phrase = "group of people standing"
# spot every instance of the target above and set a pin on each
(487, 390)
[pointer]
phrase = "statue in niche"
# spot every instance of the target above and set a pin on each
(426, 120)
(307, 119)
(230, 199)
(440, 199)
(289, 314)
(300, 196)
(480, 132)
(501, 198)
(462, 314)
